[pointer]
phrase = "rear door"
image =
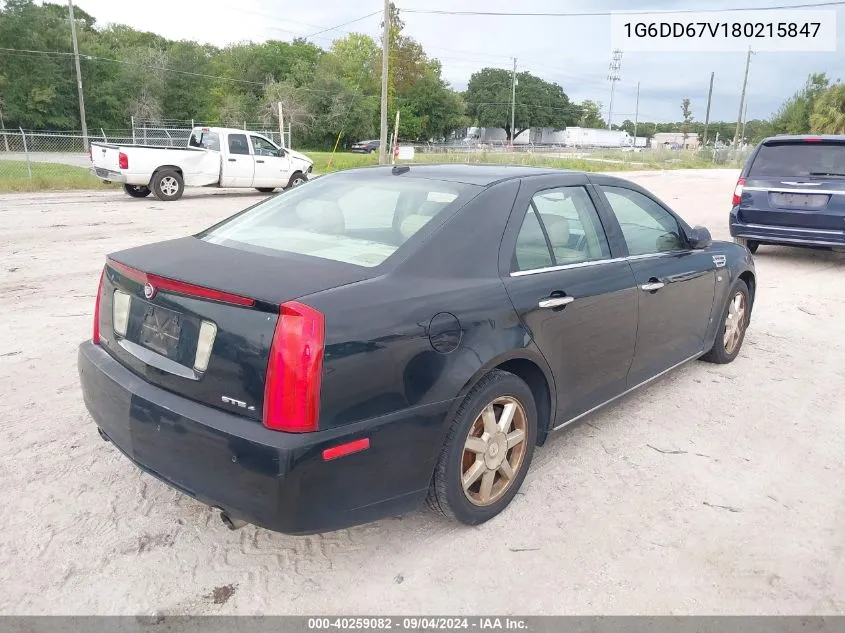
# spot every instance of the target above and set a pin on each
(272, 165)
(576, 297)
(676, 283)
(796, 183)
(239, 164)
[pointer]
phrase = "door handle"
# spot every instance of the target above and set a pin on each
(259, 161)
(233, 160)
(556, 302)
(652, 286)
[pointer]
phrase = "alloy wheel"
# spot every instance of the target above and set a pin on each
(734, 322)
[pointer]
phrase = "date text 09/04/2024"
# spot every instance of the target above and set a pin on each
(418, 623)
(725, 31)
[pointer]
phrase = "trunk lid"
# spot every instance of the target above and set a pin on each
(796, 183)
(198, 319)
(105, 156)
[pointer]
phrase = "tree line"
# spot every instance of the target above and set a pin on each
(328, 95)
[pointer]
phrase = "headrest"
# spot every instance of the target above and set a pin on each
(322, 216)
(412, 224)
(557, 229)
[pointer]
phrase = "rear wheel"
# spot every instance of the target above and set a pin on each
(168, 185)
(488, 450)
(137, 191)
(735, 319)
(266, 189)
(751, 245)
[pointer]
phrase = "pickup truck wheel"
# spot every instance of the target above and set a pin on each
(137, 191)
(296, 180)
(266, 189)
(168, 185)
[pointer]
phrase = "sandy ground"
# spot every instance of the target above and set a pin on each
(714, 490)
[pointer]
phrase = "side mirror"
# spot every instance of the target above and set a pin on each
(280, 153)
(699, 237)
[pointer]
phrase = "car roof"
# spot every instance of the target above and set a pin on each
(803, 137)
(483, 175)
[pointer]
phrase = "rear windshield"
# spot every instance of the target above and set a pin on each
(205, 139)
(799, 159)
(357, 218)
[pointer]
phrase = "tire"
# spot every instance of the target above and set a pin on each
(751, 245)
(722, 353)
(266, 189)
(446, 493)
(168, 185)
(296, 179)
(137, 191)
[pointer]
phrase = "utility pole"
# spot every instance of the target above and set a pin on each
(707, 116)
(744, 121)
(613, 77)
(385, 48)
(742, 97)
(513, 102)
(78, 77)
(637, 114)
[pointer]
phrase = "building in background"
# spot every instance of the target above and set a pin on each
(675, 140)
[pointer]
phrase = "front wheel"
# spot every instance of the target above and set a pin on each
(296, 180)
(735, 319)
(487, 452)
(168, 185)
(137, 191)
(751, 245)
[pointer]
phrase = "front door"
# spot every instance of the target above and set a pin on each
(272, 165)
(238, 164)
(578, 302)
(676, 284)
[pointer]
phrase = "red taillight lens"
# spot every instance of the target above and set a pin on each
(96, 335)
(294, 371)
(812, 139)
(740, 184)
(123, 161)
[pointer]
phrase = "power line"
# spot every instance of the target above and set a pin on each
(364, 17)
(623, 12)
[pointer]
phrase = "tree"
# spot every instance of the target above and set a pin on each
(591, 115)
(793, 117)
(686, 112)
(828, 115)
(538, 102)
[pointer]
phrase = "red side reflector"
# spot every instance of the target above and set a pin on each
(96, 334)
(740, 184)
(123, 160)
(295, 369)
(346, 449)
(180, 287)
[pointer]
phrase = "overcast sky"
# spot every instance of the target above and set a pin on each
(572, 51)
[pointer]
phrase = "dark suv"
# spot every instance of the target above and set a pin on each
(792, 192)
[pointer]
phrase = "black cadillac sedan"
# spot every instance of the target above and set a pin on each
(347, 349)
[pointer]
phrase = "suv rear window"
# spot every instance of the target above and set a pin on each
(359, 219)
(799, 159)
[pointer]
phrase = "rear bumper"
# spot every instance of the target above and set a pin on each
(108, 175)
(786, 235)
(278, 481)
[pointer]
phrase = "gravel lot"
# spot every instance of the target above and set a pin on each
(717, 489)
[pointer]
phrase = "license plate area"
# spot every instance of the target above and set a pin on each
(798, 200)
(160, 330)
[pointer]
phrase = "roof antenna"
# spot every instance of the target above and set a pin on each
(400, 169)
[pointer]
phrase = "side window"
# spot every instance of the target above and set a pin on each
(647, 227)
(263, 147)
(560, 227)
(238, 144)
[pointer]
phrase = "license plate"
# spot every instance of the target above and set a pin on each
(799, 200)
(160, 330)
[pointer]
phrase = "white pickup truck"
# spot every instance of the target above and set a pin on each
(214, 157)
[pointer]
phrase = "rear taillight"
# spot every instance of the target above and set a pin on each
(740, 184)
(294, 371)
(812, 139)
(96, 334)
(123, 161)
